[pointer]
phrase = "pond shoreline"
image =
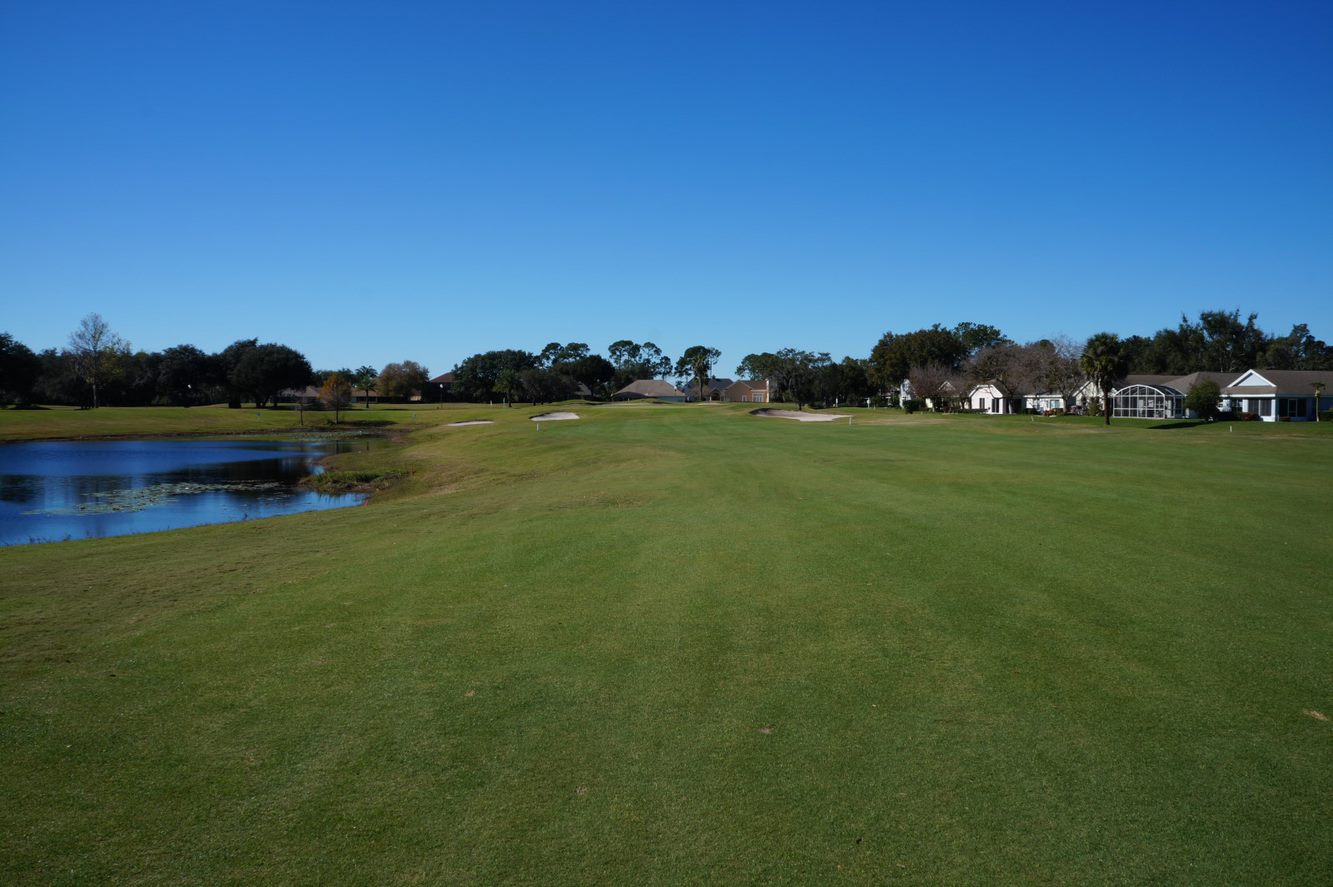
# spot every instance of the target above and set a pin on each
(63, 482)
(333, 432)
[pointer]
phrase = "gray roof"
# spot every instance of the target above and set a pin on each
(1185, 383)
(649, 388)
(1176, 384)
(1294, 382)
(1145, 379)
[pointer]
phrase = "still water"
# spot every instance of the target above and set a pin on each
(55, 490)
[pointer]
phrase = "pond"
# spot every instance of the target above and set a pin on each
(56, 490)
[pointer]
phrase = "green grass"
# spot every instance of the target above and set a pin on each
(680, 643)
(66, 422)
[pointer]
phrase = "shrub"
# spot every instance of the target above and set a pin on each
(1203, 398)
(350, 480)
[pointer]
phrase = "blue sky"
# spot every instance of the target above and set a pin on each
(378, 181)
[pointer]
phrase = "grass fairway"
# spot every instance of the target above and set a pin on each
(670, 644)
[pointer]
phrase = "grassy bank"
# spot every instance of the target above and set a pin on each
(681, 643)
(69, 423)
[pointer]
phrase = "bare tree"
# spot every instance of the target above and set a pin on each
(1061, 372)
(934, 381)
(1014, 369)
(94, 347)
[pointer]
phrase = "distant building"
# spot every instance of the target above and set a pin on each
(641, 389)
(1275, 395)
(307, 395)
(992, 397)
(747, 391)
(713, 389)
(440, 388)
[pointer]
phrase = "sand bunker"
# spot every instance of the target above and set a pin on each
(554, 417)
(799, 417)
(471, 422)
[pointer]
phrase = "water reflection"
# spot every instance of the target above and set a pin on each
(53, 490)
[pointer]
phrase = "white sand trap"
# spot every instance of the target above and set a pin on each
(555, 417)
(464, 424)
(799, 417)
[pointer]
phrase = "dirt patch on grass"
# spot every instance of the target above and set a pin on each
(1317, 715)
(798, 416)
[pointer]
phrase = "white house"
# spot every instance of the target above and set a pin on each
(990, 397)
(1275, 395)
(1044, 401)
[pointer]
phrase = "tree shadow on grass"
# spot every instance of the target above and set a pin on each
(1165, 426)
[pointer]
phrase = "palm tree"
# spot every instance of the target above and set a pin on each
(365, 378)
(1318, 390)
(1103, 362)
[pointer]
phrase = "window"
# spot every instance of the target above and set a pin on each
(1265, 407)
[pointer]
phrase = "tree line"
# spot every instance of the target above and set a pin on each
(98, 367)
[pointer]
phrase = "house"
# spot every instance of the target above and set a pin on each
(1155, 396)
(306, 396)
(1046, 401)
(441, 388)
(713, 389)
(641, 389)
(991, 397)
(748, 391)
(362, 395)
(1281, 395)
(940, 400)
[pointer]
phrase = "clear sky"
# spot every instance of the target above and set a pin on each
(378, 181)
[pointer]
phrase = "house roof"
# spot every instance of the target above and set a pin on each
(751, 384)
(444, 378)
(1185, 383)
(1294, 382)
(1159, 387)
(990, 383)
(649, 388)
(1145, 379)
(1175, 384)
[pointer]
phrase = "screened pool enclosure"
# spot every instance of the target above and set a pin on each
(1148, 402)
